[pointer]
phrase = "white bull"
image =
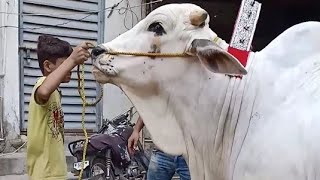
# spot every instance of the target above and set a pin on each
(265, 126)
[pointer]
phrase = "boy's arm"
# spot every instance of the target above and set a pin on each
(133, 139)
(53, 80)
(139, 125)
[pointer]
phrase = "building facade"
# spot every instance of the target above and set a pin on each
(22, 21)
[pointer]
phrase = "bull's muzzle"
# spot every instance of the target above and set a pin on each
(197, 18)
(97, 51)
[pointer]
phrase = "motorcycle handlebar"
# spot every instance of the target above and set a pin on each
(120, 118)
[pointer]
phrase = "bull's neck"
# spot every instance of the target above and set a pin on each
(225, 106)
(208, 109)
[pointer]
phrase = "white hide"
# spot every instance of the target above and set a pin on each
(264, 126)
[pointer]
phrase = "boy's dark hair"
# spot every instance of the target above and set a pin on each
(51, 48)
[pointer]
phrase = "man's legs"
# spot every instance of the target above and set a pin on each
(182, 168)
(161, 167)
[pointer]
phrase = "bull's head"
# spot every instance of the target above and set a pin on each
(149, 81)
(174, 28)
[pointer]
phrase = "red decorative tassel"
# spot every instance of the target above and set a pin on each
(241, 55)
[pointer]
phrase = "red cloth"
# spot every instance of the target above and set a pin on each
(241, 55)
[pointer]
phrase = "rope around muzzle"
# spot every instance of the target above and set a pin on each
(148, 54)
(184, 54)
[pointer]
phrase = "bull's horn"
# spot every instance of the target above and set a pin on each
(198, 17)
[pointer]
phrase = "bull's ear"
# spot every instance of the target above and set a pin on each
(215, 58)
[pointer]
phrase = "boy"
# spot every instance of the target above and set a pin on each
(45, 150)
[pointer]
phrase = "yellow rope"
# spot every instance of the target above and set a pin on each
(84, 104)
(215, 40)
(148, 54)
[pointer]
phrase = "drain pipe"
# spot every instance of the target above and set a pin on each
(1, 108)
(2, 74)
(1, 119)
(3, 63)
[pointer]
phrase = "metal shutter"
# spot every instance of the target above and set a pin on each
(63, 19)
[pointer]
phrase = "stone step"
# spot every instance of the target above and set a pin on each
(15, 163)
(25, 177)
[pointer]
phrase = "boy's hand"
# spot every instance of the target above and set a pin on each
(80, 53)
(132, 141)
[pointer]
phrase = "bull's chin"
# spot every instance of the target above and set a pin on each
(100, 77)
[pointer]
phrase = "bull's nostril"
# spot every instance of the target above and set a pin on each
(97, 51)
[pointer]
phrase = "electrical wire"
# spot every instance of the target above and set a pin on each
(132, 13)
(112, 8)
(124, 11)
(127, 9)
(60, 24)
(75, 13)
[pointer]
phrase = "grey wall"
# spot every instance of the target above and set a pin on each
(115, 101)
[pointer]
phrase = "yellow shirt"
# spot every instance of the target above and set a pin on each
(45, 151)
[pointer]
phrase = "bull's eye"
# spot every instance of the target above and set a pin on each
(157, 28)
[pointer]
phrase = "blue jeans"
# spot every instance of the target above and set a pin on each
(163, 167)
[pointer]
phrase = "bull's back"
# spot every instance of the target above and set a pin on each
(281, 142)
(294, 45)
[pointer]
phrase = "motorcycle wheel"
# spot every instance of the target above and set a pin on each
(98, 170)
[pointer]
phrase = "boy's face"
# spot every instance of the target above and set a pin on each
(53, 67)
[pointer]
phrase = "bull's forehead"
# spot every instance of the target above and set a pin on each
(177, 9)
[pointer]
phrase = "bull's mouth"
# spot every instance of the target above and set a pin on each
(103, 69)
(95, 70)
(100, 76)
(104, 63)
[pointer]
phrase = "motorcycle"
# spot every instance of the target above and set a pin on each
(107, 152)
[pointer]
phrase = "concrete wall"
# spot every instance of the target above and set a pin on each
(9, 67)
(115, 101)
